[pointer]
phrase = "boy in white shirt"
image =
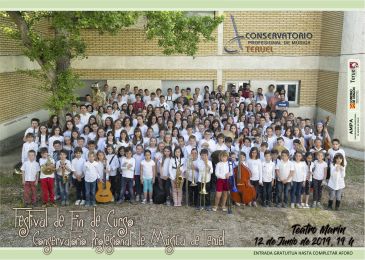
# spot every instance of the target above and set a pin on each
(30, 169)
(91, 176)
(78, 176)
(284, 172)
(205, 169)
(63, 168)
(28, 146)
(148, 175)
(33, 129)
(267, 178)
(127, 165)
(222, 171)
(47, 178)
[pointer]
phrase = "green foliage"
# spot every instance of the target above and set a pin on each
(176, 32)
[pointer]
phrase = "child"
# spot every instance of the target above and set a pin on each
(127, 165)
(177, 163)
(267, 178)
(205, 168)
(148, 175)
(55, 136)
(78, 176)
(30, 169)
(222, 171)
(164, 173)
(47, 180)
(299, 178)
(336, 149)
(192, 173)
(34, 129)
(284, 171)
(280, 145)
(319, 176)
(91, 175)
(309, 162)
(336, 182)
(255, 166)
(28, 146)
(138, 156)
(113, 163)
(63, 168)
(263, 149)
(103, 166)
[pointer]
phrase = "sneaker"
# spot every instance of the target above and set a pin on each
(44, 205)
(292, 205)
(284, 205)
(208, 208)
(254, 204)
(306, 206)
(63, 203)
(151, 202)
(137, 198)
(77, 203)
(94, 204)
(278, 205)
(120, 201)
(54, 205)
(314, 204)
(112, 199)
(82, 202)
(319, 205)
(87, 205)
(144, 201)
(224, 209)
(299, 206)
(214, 209)
(168, 203)
(249, 204)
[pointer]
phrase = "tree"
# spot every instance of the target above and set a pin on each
(177, 32)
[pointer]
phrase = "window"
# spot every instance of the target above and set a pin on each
(291, 89)
(236, 83)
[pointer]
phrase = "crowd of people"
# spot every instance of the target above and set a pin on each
(185, 145)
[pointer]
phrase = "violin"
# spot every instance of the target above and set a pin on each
(246, 192)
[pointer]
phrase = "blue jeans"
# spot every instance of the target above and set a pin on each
(280, 188)
(63, 187)
(296, 192)
(267, 193)
(90, 188)
(123, 186)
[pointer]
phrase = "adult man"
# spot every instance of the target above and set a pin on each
(281, 105)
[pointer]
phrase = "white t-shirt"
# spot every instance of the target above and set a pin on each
(78, 165)
(165, 168)
(300, 171)
(284, 169)
(255, 167)
(221, 169)
(319, 170)
(91, 171)
(31, 170)
(68, 165)
(337, 178)
(204, 174)
(127, 173)
(268, 171)
(148, 167)
(26, 148)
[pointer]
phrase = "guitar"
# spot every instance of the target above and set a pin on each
(104, 194)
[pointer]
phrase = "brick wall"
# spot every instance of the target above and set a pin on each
(331, 33)
(19, 95)
(308, 80)
(327, 90)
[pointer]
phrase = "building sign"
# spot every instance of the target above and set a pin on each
(264, 42)
(353, 100)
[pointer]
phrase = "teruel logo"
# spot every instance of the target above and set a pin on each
(353, 65)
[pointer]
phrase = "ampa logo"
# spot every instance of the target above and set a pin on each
(353, 65)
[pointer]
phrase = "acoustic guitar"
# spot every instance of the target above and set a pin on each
(104, 194)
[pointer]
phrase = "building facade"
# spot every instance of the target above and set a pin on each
(298, 51)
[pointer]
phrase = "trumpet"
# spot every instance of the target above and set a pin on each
(203, 190)
(48, 168)
(191, 165)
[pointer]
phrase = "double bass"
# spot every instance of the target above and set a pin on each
(246, 191)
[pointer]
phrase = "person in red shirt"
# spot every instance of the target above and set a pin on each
(138, 105)
(246, 91)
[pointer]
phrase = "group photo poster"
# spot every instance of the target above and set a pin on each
(182, 129)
